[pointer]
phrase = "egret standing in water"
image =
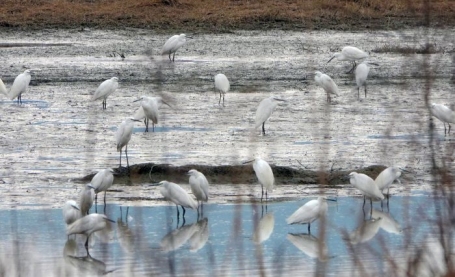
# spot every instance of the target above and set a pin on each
(71, 212)
(199, 186)
(102, 181)
(444, 114)
(361, 75)
(351, 54)
(86, 199)
(173, 44)
(309, 212)
(367, 186)
(265, 110)
(149, 110)
(105, 89)
(87, 225)
(20, 85)
(387, 177)
(222, 85)
(264, 174)
(123, 136)
(177, 195)
(324, 81)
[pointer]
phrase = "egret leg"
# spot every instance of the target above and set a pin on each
(202, 209)
(153, 127)
(358, 93)
(363, 207)
(449, 128)
(146, 122)
(120, 158)
(105, 198)
(262, 192)
(353, 67)
(223, 101)
(445, 129)
(309, 230)
(126, 154)
(86, 245)
(183, 208)
(178, 214)
(365, 90)
(219, 102)
(173, 57)
(371, 207)
(266, 198)
(170, 57)
(96, 206)
(263, 128)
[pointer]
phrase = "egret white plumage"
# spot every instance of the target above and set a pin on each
(265, 110)
(3, 89)
(87, 225)
(20, 85)
(150, 110)
(86, 199)
(324, 81)
(105, 89)
(199, 186)
(222, 85)
(443, 113)
(351, 54)
(264, 174)
(173, 44)
(123, 137)
(367, 186)
(361, 75)
(71, 211)
(309, 212)
(102, 181)
(387, 177)
(177, 195)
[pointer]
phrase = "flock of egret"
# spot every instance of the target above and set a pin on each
(77, 217)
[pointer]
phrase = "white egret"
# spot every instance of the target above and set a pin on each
(264, 174)
(20, 85)
(309, 245)
(265, 110)
(105, 89)
(361, 75)
(87, 225)
(177, 195)
(387, 177)
(222, 85)
(86, 199)
(264, 229)
(309, 212)
(173, 44)
(324, 81)
(3, 88)
(150, 110)
(199, 186)
(351, 54)
(367, 186)
(102, 181)
(200, 236)
(444, 114)
(71, 212)
(366, 231)
(123, 136)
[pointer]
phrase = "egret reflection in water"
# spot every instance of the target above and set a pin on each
(125, 235)
(309, 245)
(200, 236)
(87, 265)
(178, 237)
(387, 222)
(366, 231)
(264, 228)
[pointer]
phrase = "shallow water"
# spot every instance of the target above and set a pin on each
(226, 241)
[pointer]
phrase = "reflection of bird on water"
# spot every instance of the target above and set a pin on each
(70, 248)
(309, 212)
(178, 237)
(366, 231)
(124, 233)
(388, 224)
(200, 236)
(264, 228)
(87, 265)
(309, 245)
(87, 225)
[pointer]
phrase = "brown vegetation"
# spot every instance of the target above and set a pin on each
(222, 15)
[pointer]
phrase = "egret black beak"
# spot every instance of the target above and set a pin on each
(331, 59)
(154, 184)
(247, 162)
(90, 186)
(108, 219)
(329, 199)
(76, 207)
(404, 170)
(166, 103)
(190, 37)
(140, 99)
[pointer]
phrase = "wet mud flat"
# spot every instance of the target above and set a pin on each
(59, 136)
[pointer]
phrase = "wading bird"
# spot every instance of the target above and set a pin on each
(361, 75)
(20, 85)
(265, 110)
(222, 85)
(325, 82)
(199, 186)
(350, 53)
(102, 181)
(3, 88)
(309, 212)
(71, 212)
(367, 186)
(264, 174)
(123, 136)
(444, 114)
(177, 195)
(87, 225)
(149, 110)
(105, 89)
(387, 177)
(86, 199)
(173, 44)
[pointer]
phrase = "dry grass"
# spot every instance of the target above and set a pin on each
(219, 15)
